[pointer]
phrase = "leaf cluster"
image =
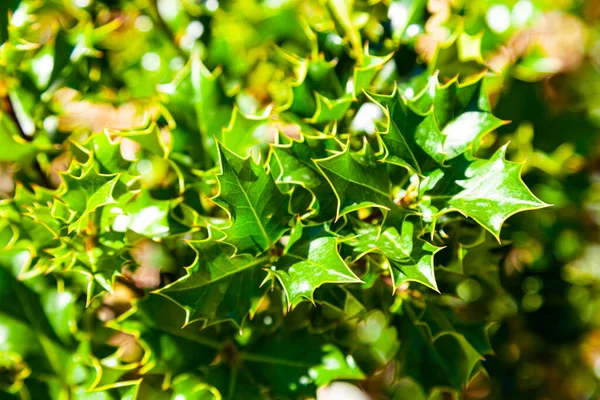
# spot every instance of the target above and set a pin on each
(248, 200)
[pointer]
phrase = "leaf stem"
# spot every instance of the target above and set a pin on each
(259, 358)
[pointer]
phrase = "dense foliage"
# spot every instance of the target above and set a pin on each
(260, 199)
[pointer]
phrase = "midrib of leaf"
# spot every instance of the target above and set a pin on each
(494, 198)
(245, 267)
(357, 183)
(272, 360)
(316, 264)
(262, 228)
(412, 155)
(398, 247)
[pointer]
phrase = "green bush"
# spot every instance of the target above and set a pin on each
(281, 199)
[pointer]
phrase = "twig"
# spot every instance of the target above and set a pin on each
(165, 29)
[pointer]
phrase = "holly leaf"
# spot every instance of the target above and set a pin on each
(195, 100)
(410, 258)
(256, 206)
(101, 266)
(462, 112)
(84, 189)
(43, 216)
(219, 286)
(412, 138)
(150, 138)
(107, 154)
(357, 179)
(206, 92)
(489, 191)
(342, 10)
(439, 319)
(293, 164)
(311, 259)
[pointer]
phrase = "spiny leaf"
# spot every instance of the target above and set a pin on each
(412, 138)
(489, 191)
(293, 164)
(462, 112)
(256, 206)
(410, 258)
(364, 74)
(342, 10)
(460, 55)
(150, 138)
(84, 189)
(358, 180)
(220, 285)
(310, 260)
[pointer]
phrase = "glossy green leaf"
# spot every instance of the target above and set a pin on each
(245, 133)
(462, 112)
(409, 257)
(357, 179)
(311, 260)
(489, 191)
(412, 139)
(364, 74)
(220, 285)
(256, 206)
(293, 164)
(85, 189)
